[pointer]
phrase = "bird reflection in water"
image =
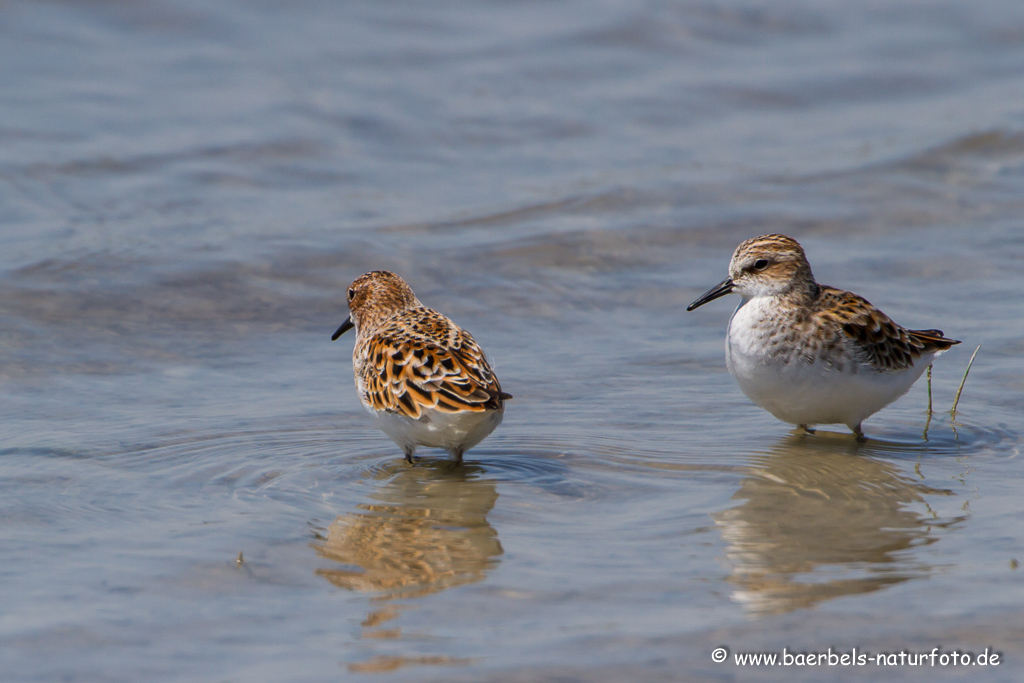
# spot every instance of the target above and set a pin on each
(426, 531)
(821, 518)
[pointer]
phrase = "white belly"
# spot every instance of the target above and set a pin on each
(437, 429)
(801, 392)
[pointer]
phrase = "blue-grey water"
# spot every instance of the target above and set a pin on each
(190, 491)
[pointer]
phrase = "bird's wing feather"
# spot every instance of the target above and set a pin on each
(423, 360)
(879, 341)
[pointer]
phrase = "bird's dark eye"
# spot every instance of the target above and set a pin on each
(351, 294)
(760, 264)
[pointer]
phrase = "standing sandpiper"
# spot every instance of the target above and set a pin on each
(420, 375)
(812, 354)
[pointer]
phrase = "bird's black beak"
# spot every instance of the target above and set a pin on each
(721, 289)
(345, 327)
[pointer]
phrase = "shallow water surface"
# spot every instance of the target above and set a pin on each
(192, 491)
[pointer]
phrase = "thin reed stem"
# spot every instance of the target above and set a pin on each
(956, 401)
(929, 391)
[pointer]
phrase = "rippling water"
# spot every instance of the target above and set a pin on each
(191, 490)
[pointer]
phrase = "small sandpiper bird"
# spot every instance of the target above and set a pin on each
(812, 354)
(424, 379)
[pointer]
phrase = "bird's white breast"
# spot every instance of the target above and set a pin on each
(804, 388)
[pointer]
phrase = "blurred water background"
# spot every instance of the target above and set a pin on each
(186, 188)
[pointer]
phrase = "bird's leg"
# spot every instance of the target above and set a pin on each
(806, 429)
(410, 454)
(458, 455)
(859, 432)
